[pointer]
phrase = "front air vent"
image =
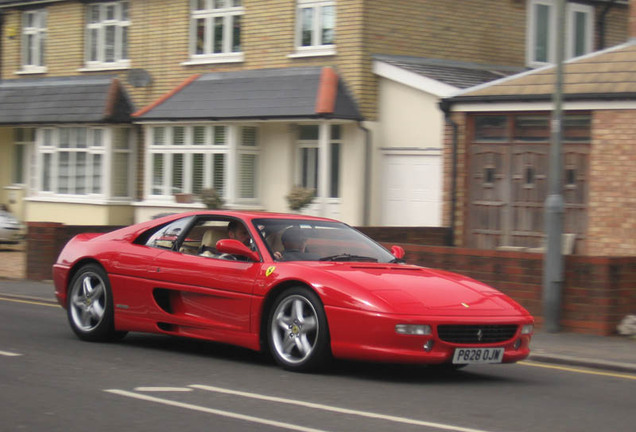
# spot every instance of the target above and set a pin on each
(476, 334)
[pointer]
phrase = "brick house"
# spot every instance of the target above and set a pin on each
(502, 138)
(157, 127)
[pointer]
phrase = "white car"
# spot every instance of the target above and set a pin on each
(10, 229)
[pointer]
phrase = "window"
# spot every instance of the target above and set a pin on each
(23, 140)
(309, 156)
(215, 31)
(248, 163)
(107, 35)
(73, 162)
(188, 159)
(315, 27)
(34, 41)
(542, 31)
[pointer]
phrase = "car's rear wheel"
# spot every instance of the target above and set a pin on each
(298, 335)
(90, 305)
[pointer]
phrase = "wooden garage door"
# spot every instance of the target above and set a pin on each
(508, 179)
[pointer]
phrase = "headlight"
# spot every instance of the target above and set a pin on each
(413, 329)
(527, 329)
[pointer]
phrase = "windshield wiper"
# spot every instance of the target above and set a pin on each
(397, 261)
(348, 257)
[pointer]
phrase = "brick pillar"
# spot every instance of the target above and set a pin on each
(42, 249)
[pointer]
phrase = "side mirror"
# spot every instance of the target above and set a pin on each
(398, 251)
(235, 247)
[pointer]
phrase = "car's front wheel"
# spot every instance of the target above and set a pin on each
(90, 305)
(298, 335)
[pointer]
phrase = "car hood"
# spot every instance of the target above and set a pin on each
(412, 290)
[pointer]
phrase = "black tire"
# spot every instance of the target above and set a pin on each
(90, 308)
(297, 331)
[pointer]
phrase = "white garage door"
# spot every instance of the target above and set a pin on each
(412, 190)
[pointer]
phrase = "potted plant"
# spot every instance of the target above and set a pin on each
(211, 198)
(300, 197)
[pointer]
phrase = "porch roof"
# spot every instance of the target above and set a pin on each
(306, 92)
(604, 75)
(63, 100)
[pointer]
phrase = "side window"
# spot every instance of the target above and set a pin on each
(166, 237)
(202, 237)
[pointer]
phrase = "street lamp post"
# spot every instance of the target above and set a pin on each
(554, 206)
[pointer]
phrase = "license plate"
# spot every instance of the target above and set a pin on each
(477, 355)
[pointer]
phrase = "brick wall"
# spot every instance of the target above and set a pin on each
(431, 236)
(612, 186)
(44, 242)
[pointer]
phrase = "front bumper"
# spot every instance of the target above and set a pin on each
(367, 336)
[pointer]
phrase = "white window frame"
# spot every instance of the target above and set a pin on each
(121, 23)
(23, 148)
(570, 41)
(34, 41)
(231, 148)
(317, 47)
(49, 147)
(209, 13)
(323, 145)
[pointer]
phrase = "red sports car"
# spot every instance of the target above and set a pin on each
(306, 289)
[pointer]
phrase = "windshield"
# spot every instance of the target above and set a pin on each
(308, 240)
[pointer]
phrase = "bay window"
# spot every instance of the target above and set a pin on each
(83, 162)
(191, 158)
(316, 143)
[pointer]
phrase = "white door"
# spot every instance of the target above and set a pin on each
(412, 190)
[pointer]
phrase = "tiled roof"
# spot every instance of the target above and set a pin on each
(607, 74)
(256, 94)
(455, 73)
(64, 100)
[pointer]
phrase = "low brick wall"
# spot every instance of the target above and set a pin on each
(597, 292)
(44, 242)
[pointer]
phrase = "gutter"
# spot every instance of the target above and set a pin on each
(545, 97)
(445, 105)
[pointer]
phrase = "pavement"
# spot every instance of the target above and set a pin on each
(609, 353)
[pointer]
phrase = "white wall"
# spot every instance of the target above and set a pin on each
(409, 133)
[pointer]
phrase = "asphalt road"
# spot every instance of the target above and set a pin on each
(51, 381)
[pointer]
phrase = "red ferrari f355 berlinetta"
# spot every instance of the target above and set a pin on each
(305, 289)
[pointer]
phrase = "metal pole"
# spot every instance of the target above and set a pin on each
(554, 206)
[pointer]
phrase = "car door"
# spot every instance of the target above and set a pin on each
(209, 289)
(212, 291)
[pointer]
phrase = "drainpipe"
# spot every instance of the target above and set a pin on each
(366, 210)
(445, 107)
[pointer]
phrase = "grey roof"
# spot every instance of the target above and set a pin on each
(253, 94)
(64, 100)
(455, 73)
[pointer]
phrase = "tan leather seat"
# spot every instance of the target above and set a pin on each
(209, 239)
